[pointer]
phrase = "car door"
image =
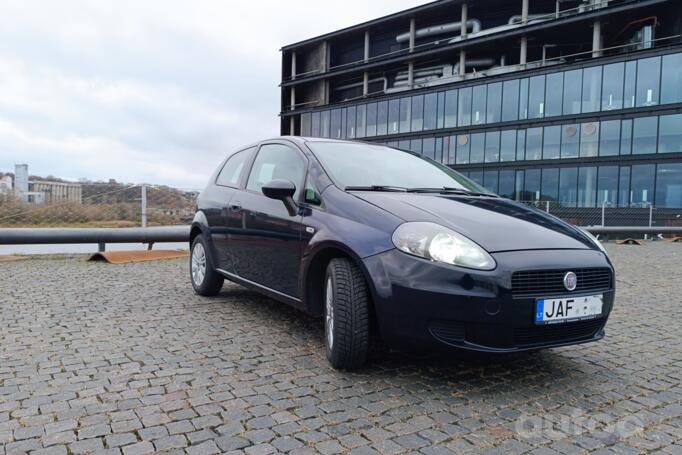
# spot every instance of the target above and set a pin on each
(265, 241)
(227, 183)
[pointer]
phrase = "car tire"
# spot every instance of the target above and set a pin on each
(205, 280)
(346, 322)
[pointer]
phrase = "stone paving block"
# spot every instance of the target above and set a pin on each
(136, 369)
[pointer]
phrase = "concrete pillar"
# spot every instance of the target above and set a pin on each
(410, 74)
(365, 83)
(292, 98)
(292, 126)
(327, 57)
(596, 39)
(413, 30)
(463, 34)
(523, 53)
(366, 45)
(293, 64)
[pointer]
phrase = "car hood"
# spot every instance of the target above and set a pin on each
(496, 224)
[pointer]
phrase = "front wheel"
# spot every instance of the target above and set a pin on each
(205, 280)
(346, 322)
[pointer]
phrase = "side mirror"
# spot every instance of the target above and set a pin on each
(282, 190)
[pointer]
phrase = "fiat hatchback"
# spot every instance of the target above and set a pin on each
(375, 239)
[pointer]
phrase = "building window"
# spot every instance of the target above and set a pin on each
(669, 185)
(573, 82)
(478, 105)
(405, 145)
(523, 99)
(382, 118)
(405, 108)
(612, 91)
(417, 113)
(587, 186)
(415, 146)
(671, 79)
(492, 146)
(536, 97)
(624, 187)
(464, 107)
(520, 145)
(336, 124)
(476, 176)
(609, 138)
(477, 148)
(371, 119)
(670, 134)
(438, 153)
(607, 186)
(533, 143)
(570, 141)
(361, 120)
(463, 147)
(531, 187)
(626, 137)
(648, 77)
(589, 139)
(306, 124)
(450, 119)
(550, 185)
(510, 100)
(568, 184)
(315, 124)
(393, 116)
(494, 109)
(350, 122)
(430, 111)
(591, 98)
(441, 110)
(642, 184)
(629, 86)
(506, 184)
(429, 147)
(644, 132)
(508, 145)
(518, 186)
(490, 181)
(553, 94)
(552, 142)
(324, 123)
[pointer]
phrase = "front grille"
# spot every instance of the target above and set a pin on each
(540, 283)
(556, 333)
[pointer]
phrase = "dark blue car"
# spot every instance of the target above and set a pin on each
(376, 239)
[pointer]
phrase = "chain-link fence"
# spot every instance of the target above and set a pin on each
(606, 215)
(97, 205)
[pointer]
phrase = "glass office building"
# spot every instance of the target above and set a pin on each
(574, 102)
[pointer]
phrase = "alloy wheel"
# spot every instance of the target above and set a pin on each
(198, 264)
(329, 314)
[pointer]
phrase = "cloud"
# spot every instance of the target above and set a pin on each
(153, 91)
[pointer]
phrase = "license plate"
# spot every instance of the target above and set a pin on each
(549, 311)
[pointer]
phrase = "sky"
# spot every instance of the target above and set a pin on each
(153, 91)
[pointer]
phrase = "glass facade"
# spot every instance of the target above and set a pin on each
(479, 112)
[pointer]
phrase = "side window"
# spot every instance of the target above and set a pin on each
(276, 161)
(233, 168)
(311, 196)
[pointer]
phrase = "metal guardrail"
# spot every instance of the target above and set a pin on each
(161, 234)
(100, 236)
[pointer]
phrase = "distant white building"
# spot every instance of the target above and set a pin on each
(44, 191)
(6, 184)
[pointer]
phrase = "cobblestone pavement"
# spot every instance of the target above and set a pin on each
(97, 358)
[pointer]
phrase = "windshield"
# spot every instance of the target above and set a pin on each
(367, 165)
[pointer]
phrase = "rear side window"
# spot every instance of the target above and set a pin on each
(232, 170)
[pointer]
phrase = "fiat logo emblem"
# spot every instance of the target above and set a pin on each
(570, 281)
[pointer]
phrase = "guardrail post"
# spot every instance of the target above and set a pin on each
(651, 214)
(101, 247)
(547, 207)
(143, 204)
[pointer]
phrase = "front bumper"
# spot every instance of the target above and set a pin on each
(420, 303)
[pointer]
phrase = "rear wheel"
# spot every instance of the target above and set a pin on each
(205, 280)
(346, 322)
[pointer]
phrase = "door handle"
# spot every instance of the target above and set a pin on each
(235, 207)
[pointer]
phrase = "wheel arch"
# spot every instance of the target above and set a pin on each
(316, 269)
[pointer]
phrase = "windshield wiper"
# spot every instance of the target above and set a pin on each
(376, 188)
(449, 190)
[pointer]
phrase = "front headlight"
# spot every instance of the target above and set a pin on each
(440, 244)
(595, 240)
